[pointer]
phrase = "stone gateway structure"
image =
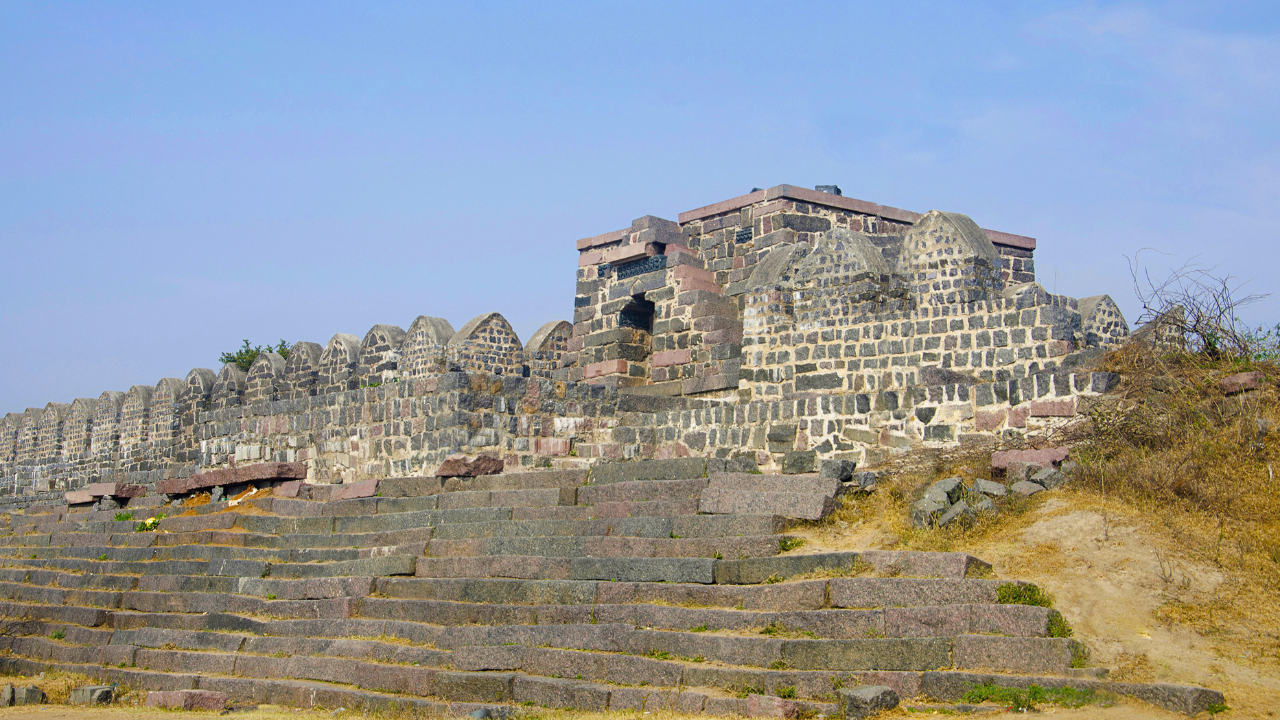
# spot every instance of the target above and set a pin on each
(599, 517)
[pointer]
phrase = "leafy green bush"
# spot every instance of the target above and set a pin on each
(150, 524)
(244, 357)
(123, 516)
(1022, 594)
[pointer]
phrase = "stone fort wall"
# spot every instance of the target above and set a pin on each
(787, 324)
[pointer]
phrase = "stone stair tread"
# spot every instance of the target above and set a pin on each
(754, 482)
(801, 506)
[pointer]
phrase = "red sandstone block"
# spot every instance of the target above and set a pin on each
(115, 490)
(288, 489)
(719, 337)
(1066, 407)
(1240, 382)
(362, 489)
(627, 253)
(590, 258)
(986, 420)
(669, 357)
(608, 367)
(551, 446)
(695, 284)
(692, 272)
(1018, 416)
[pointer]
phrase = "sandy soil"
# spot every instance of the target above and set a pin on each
(1109, 579)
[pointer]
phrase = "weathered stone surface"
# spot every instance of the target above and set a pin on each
(187, 699)
(92, 695)
(987, 487)
(459, 465)
(836, 469)
(866, 701)
(795, 463)
(1022, 487)
(946, 491)
(28, 695)
(925, 512)
(1041, 458)
(230, 476)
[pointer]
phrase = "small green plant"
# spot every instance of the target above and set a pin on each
(58, 635)
(1022, 594)
(1059, 627)
(772, 579)
(786, 692)
(773, 628)
(778, 665)
(150, 524)
(271, 596)
(244, 357)
(123, 516)
(699, 628)
(788, 544)
(1025, 699)
(1216, 708)
(659, 654)
(103, 556)
(749, 690)
(674, 536)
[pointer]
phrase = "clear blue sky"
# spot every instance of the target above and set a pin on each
(177, 176)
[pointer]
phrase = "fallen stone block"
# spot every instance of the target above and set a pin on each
(29, 695)
(1240, 382)
(862, 702)
(116, 490)
(1022, 487)
(187, 699)
(841, 470)
(92, 695)
(1042, 458)
(457, 465)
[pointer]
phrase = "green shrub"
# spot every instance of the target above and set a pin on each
(58, 635)
(123, 516)
(244, 357)
(789, 544)
(787, 692)
(1059, 627)
(1022, 594)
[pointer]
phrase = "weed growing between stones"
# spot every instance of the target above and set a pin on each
(123, 516)
(1022, 594)
(1025, 699)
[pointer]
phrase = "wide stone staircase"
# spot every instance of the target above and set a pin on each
(640, 585)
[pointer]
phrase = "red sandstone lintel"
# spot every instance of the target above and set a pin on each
(1018, 241)
(605, 239)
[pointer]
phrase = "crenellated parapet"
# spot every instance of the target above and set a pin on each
(785, 320)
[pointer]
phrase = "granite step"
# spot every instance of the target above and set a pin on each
(608, 510)
(801, 506)
(807, 484)
(609, 546)
(654, 527)
(275, 691)
(642, 491)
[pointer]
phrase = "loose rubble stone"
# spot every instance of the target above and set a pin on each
(987, 487)
(841, 470)
(1022, 487)
(457, 465)
(1048, 478)
(866, 478)
(958, 512)
(867, 700)
(946, 491)
(925, 511)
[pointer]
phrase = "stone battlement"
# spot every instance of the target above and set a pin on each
(785, 321)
